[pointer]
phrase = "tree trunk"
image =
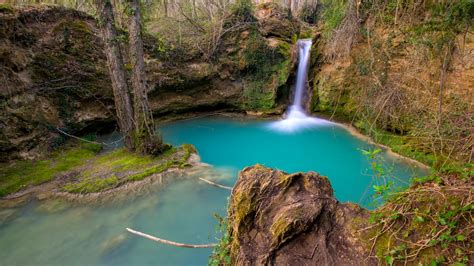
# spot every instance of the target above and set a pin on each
(165, 7)
(144, 128)
(290, 12)
(123, 105)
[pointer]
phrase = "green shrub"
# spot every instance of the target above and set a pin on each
(6, 8)
(243, 10)
(332, 15)
(221, 253)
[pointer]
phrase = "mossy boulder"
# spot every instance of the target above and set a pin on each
(266, 64)
(292, 219)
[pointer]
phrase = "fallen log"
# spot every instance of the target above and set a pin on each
(154, 238)
(215, 184)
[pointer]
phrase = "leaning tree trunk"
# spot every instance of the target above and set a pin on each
(145, 139)
(123, 105)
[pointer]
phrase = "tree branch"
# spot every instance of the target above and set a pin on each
(176, 244)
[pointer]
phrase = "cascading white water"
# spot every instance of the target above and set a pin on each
(304, 48)
(296, 118)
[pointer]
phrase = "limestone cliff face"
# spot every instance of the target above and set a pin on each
(54, 74)
(277, 218)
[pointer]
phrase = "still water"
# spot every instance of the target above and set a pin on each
(57, 233)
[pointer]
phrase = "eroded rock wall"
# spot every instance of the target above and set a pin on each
(54, 75)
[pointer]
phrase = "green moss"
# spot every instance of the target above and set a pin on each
(149, 171)
(47, 66)
(255, 98)
(120, 166)
(6, 8)
(306, 33)
(284, 49)
(403, 146)
(25, 173)
(92, 185)
(286, 180)
(119, 160)
(267, 69)
(332, 15)
(409, 147)
(243, 10)
(74, 43)
(189, 150)
(285, 225)
(243, 206)
(279, 228)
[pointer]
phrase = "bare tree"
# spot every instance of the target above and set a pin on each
(123, 105)
(144, 128)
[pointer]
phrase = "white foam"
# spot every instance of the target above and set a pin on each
(297, 120)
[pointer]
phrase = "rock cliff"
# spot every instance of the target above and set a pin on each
(54, 75)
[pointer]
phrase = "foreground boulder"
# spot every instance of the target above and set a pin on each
(277, 218)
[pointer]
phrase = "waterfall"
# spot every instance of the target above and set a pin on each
(304, 47)
(296, 117)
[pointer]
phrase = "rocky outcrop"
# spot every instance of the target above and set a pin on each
(277, 218)
(54, 75)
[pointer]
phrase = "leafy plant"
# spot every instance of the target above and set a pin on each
(383, 182)
(221, 253)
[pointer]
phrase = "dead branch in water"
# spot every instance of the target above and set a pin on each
(215, 184)
(154, 238)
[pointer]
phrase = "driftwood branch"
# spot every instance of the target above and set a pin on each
(215, 184)
(154, 238)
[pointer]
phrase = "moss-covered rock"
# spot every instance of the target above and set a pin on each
(18, 175)
(118, 167)
(267, 64)
(282, 219)
(80, 169)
